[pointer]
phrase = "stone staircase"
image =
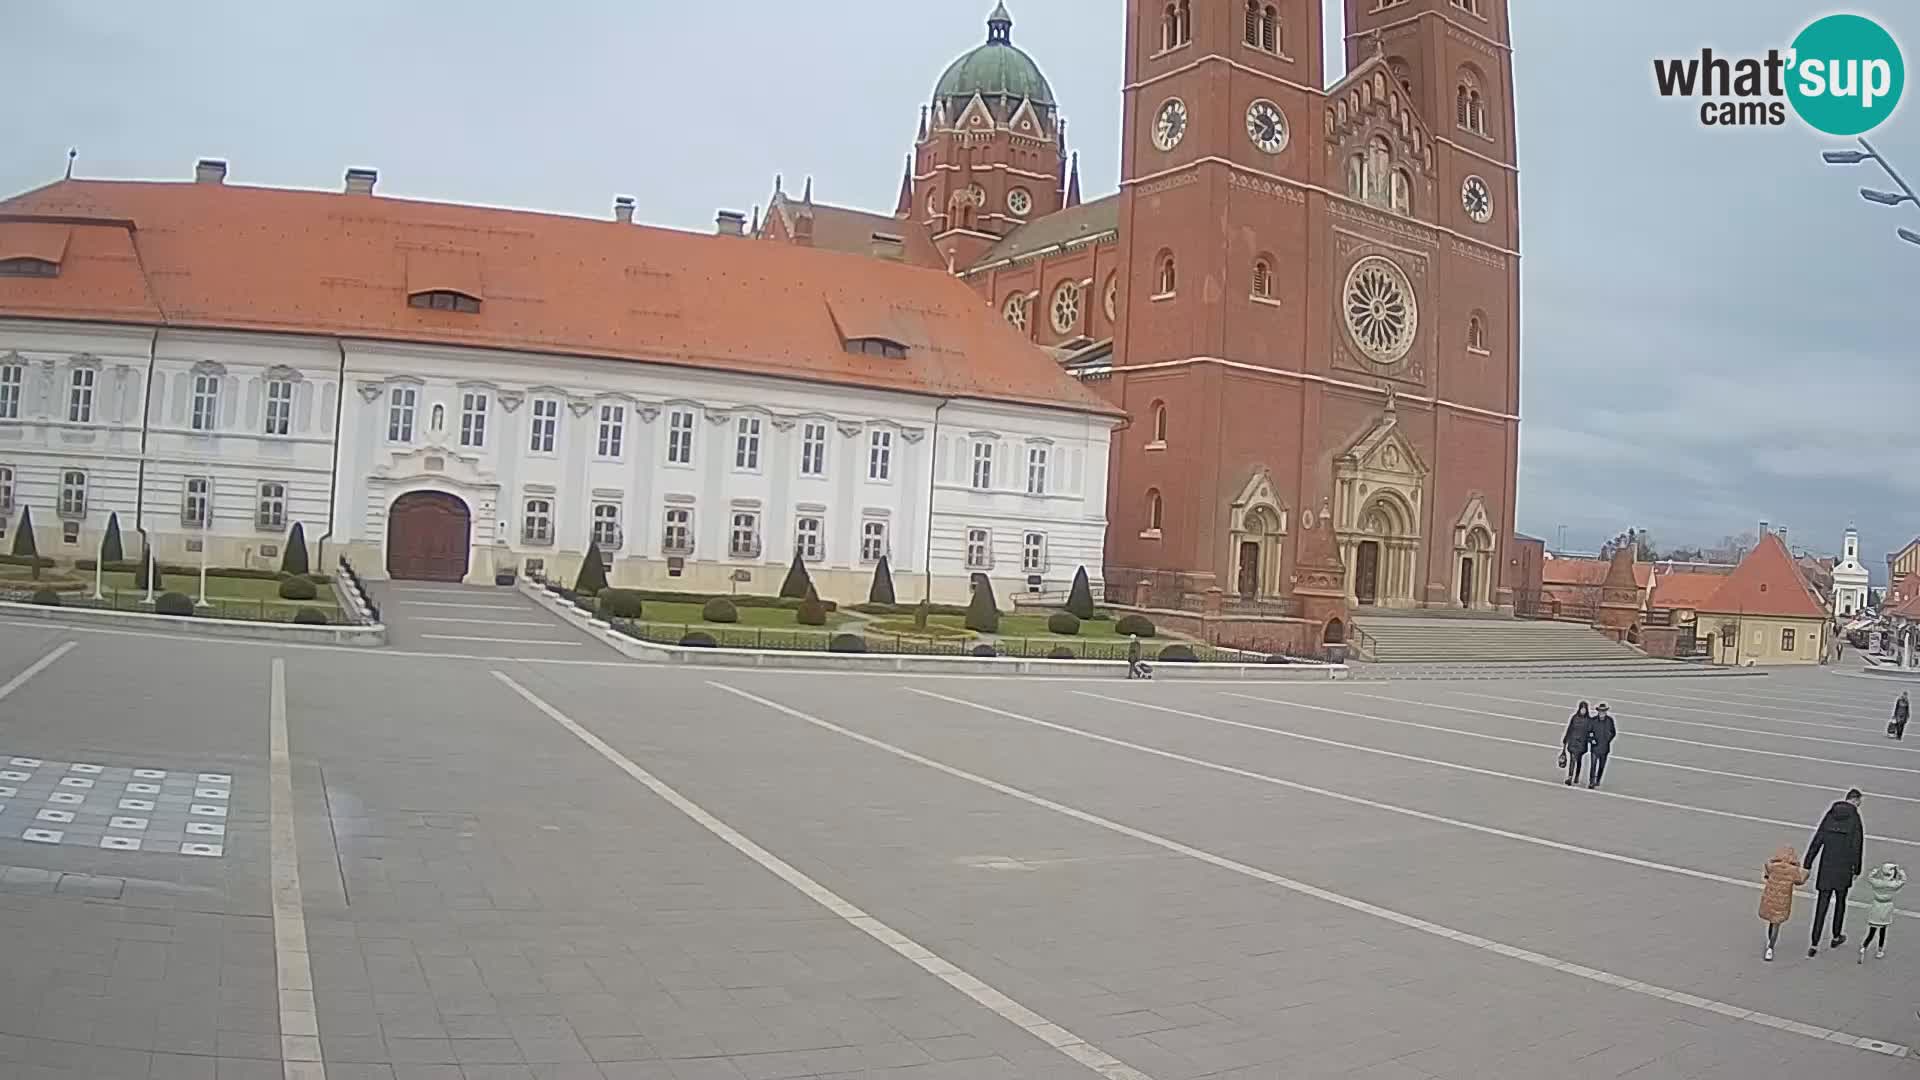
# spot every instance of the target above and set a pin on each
(1454, 640)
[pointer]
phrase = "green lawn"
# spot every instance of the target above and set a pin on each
(231, 590)
(1032, 626)
(689, 614)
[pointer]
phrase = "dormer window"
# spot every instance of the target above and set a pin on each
(28, 267)
(877, 346)
(445, 300)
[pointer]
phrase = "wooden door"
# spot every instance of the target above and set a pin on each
(1466, 582)
(1366, 572)
(428, 536)
(1249, 569)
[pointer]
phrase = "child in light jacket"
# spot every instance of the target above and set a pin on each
(1884, 880)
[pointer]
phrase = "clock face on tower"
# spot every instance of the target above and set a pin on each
(1267, 127)
(1477, 199)
(1170, 124)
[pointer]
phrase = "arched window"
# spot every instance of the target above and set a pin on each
(1469, 104)
(1167, 278)
(1477, 334)
(1016, 311)
(1160, 422)
(1183, 22)
(1357, 176)
(1461, 114)
(1477, 113)
(1379, 164)
(1154, 508)
(1401, 195)
(1262, 279)
(1169, 27)
(1471, 7)
(1253, 23)
(1270, 38)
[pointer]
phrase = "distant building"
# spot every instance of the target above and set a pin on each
(1850, 582)
(1764, 612)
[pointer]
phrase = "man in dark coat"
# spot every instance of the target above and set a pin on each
(1601, 737)
(1839, 843)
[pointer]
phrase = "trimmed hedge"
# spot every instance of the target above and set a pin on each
(1134, 626)
(812, 612)
(294, 560)
(720, 610)
(1063, 622)
(620, 604)
(663, 596)
(983, 613)
(46, 598)
(593, 572)
(297, 588)
(699, 639)
(985, 650)
(38, 561)
(110, 545)
(847, 643)
(307, 616)
(1177, 653)
(173, 603)
(1061, 652)
(799, 583)
(906, 609)
(1080, 597)
(881, 591)
(244, 572)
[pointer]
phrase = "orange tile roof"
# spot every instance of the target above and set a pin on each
(839, 228)
(1588, 572)
(1767, 582)
(218, 256)
(1686, 591)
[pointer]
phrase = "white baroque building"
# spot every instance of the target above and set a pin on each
(1851, 584)
(442, 392)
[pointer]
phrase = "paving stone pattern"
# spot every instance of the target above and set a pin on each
(114, 808)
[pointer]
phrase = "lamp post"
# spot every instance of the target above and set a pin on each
(100, 568)
(206, 520)
(1876, 195)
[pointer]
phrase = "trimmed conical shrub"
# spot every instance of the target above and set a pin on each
(111, 550)
(140, 572)
(1080, 600)
(812, 612)
(593, 573)
(295, 560)
(983, 614)
(882, 590)
(23, 541)
(798, 581)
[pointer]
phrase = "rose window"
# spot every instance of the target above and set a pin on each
(1066, 307)
(1381, 312)
(1016, 312)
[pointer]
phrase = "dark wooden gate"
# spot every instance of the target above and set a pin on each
(427, 537)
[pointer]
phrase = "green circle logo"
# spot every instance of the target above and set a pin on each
(1847, 75)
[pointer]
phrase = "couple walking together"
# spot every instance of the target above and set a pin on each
(1587, 733)
(1838, 846)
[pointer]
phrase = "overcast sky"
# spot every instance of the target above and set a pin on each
(1717, 330)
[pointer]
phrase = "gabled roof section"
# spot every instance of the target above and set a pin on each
(43, 240)
(228, 257)
(837, 228)
(1371, 94)
(877, 318)
(444, 270)
(1685, 591)
(1081, 224)
(1367, 450)
(1766, 583)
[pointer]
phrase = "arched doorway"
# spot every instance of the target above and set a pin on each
(1473, 582)
(428, 537)
(1382, 567)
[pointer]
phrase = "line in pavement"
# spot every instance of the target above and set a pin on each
(299, 1018)
(1632, 697)
(1350, 903)
(36, 668)
(477, 622)
(1066, 1042)
(1638, 715)
(503, 640)
(522, 608)
(1768, 700)
(1647, 735)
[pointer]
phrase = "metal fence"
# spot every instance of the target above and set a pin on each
(780, 639)
(136, 600)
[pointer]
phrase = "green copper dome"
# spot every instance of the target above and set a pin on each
(996, 69)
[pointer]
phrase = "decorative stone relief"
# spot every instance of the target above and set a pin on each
(850, 430)
(511, 402)
(647, 413)
(912, 435)
(370, 391)
(579, 406)
(783, 423)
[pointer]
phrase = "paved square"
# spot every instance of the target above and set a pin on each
(92, 804)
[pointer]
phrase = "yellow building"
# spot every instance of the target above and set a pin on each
(1764, 612)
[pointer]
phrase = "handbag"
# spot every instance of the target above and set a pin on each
(1563, 757)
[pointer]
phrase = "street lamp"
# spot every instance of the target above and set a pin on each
(1876, 195)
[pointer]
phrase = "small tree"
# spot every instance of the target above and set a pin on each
(23, 542)
(882, 590)
(593, 573)
(147, 561)
(983, 614)
(812, 612)
(1080, 600)
(110, 548)
(798, 581)
(295, 559)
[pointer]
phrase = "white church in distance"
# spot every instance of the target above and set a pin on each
(1850, 584)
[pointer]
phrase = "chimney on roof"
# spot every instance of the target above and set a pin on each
(209, 171)
(623, 209)
(889, 246)
(1764, 530)
(361, 181)
(730, 223)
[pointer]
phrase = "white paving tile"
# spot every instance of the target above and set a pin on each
(150, 774)
(86, 769)
(58, 817)
(201, 849)
(136, 804)
(203, 810)
(75, 782)
(67, 798)
(215, 778)
(209, 793)
(26, 762)
(205, 828)
(120, 843)
(135, 823)
(143, 789)
(43, 836)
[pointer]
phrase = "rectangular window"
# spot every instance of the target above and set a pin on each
(206, 402)
(6, 488)
(613, 429)
(678, 537)
(744, 541)
(546, 424)
(680, 437)
(70, 531)
(746, 443)
(279, 406)
(880, 455)
(606, 526)
(813, 450)
(1036, 470)
(80, 397)
(809, 538)
(979, 549)
(538, 526)
(272, 512)
(873, 541)
(11, 376)
(195, 511)
(983, 465)
(73, 494)
(1033, 553)
(473, 419)
(1786, 641)
(400, 406)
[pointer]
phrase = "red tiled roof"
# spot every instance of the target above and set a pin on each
(46, 241)
(1685, 591)
(839, 228)
(1588, 572)
(218, 256)
(1767, 582)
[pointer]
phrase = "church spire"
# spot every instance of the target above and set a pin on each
(904, 208)
(1073, 183)
(1000, 26)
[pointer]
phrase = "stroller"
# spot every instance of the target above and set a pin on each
(1136, 667)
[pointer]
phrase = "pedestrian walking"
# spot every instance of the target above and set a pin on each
(1885, 880)
(1573, 744)
(1600, 743)
(1898, 727)
(1838, 844)
(1135, 668)
(1782, 875)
